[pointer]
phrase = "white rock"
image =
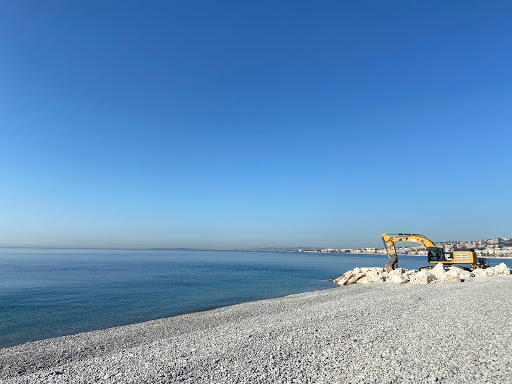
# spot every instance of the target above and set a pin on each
(377, 279)
(372, 274)
(363, 280)
(438, 271)
(465, 274)
(455, 271)
(395, 279)
(426, 278)
(491, 271)
(452, 275)
(412, 278)
(364, 270)
(396, 272)
(502, 269)
(480, 272)
(353, 279)
(424, 271)
(342, 281)
(452, 278)
(356, 270)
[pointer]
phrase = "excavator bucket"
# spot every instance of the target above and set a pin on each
(391, 264)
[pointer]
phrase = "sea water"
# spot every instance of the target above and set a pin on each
(54, 292)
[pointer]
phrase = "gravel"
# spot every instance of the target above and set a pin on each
(380, 333)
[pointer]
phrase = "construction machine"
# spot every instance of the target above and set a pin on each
(435, 254)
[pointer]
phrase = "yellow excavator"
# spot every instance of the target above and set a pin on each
(435, 254)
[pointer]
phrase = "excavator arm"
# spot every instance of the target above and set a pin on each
(390, 240)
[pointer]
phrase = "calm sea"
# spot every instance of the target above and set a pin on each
(53, 292)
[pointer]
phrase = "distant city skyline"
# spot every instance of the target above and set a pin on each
(229, 125)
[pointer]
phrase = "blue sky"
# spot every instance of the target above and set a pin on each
(235, 124)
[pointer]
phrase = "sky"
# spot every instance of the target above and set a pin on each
(247, 124)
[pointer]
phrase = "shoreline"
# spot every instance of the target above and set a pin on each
(343, 334)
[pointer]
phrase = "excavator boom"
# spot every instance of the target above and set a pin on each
(390, 240)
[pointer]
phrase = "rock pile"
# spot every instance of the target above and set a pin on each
(437, 274)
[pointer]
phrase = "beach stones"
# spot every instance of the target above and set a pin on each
(398, 276)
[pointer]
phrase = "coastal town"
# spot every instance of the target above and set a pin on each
(493, 247)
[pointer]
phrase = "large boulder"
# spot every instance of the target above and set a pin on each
(396, 272)
(372, 274)
(341, 280)
(348, 274)
(438, 271)
(502, 270)
(452, 275)
(480, 272)
(452, 278)
(465, 274)
(353, 279)
(377, 279)
(455, 271)
(426, 278)
(396, 279)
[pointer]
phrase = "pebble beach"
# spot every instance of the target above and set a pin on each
(362, 333)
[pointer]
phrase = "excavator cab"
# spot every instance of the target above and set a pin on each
(436, 254)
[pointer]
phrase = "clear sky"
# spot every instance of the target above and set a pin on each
(240, 124)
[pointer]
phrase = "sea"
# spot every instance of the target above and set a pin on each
(48, 293)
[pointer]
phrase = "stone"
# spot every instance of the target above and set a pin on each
(490, 271)
(502, 270)
(395, 279)
(354, 278)
(452, 278)
(372, 274)
(396, 272)
(480, 272)
(377, 279)
(426, 278)
(423, 272)
(456, 271)
(412, 278)
(348, 274)
(438, 271)
(452, 275)
(342, 281)
(465, 274)
(363, 280)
